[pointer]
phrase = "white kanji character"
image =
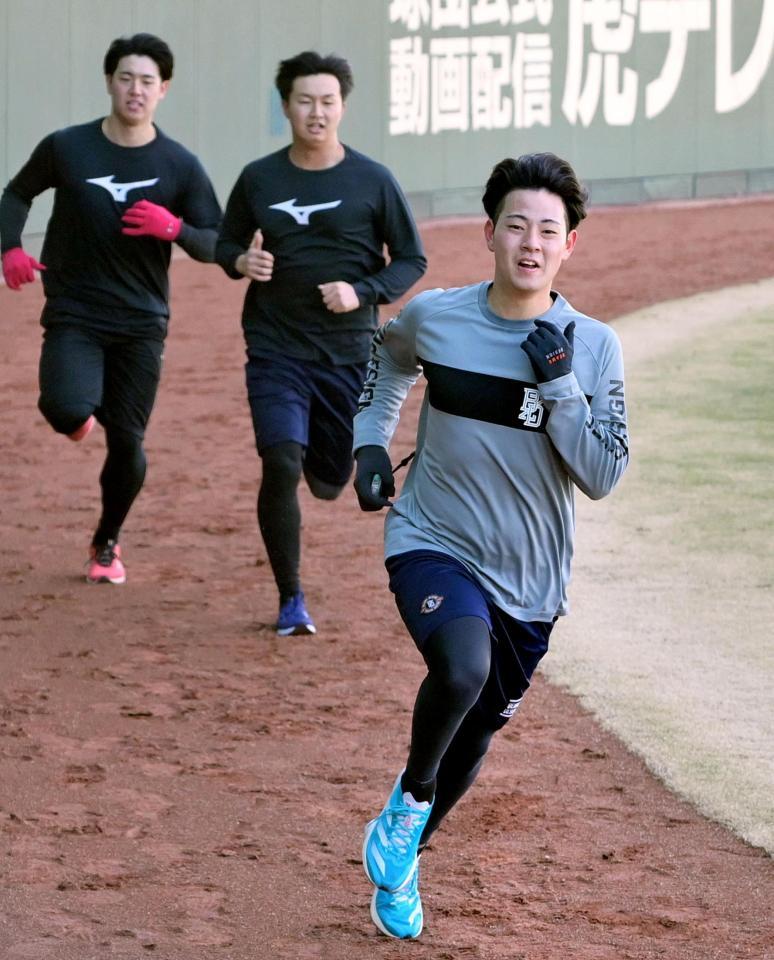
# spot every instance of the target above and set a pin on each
(733, 88)
(532, 80)
(677, 18)
(490, 11)
(451, 13)
(411, 13)
(450, 88)
(490, 71)
(612, 25)
(409, 86)
(525, 10)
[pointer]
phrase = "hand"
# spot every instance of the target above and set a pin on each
(256, 263)
(19, 267)
(374, 481)
(146, 219)
(339, 296)
(550, 350)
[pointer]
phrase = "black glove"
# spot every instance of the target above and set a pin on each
(374, 481)
(550, 350)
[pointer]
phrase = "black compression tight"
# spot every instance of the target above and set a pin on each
(122, 477)
(279, 513)
(448, 738)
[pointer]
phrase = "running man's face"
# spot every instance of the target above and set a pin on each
(530, 241)
(314, 109)
(135, 90)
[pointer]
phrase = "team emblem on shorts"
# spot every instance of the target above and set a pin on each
(431, 604)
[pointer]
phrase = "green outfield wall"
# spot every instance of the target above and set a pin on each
(649, 99)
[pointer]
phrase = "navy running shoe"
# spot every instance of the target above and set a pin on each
(294, 618)
(399, 914)
(392, 839)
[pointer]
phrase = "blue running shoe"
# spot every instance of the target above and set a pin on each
(399, 914)
(294, 617)
(392, 839)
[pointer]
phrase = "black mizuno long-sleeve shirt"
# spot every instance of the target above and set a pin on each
(93, 271)
(321, 226)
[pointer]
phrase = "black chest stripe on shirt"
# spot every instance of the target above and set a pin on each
(481, 396)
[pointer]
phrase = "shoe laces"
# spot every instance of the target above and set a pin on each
(105, 555)
(404, 825)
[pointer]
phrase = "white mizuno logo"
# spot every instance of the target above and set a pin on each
(302, 214)
(119, 190)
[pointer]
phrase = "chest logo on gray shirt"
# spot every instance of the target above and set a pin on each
(532, 409)
(302, 214)
(118, 191)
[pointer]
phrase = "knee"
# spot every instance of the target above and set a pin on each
(282, 465)
(464, 682)
(64, 417)
(458, 681)
(125, 449)
(320, 489)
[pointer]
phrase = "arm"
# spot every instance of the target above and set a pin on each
(237, 231)
(591, 438)
(14, 211)
(392, 372)
(196, 231)
(201, 216)
(35, 176)
(198, 242)
(407, 258)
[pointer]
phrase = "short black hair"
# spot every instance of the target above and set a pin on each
(141, 45)
(536, 171)
(308, 64)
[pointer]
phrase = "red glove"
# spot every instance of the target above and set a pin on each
(148, 219)
(18, 268)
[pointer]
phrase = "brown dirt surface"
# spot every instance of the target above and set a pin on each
(178, 782)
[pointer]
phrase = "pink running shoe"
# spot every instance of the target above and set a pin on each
(105, 564)
(83, 431)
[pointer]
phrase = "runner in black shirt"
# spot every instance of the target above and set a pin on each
(308, 225)
(124, 192)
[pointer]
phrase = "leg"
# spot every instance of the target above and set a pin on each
(279, 396)
(279, 514)
(328, 461)
(459, 768)
(132, 373)
(457, 655)
(71, 373)
(121, 480)
(518, 648)
(448, 617)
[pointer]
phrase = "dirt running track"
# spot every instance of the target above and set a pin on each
(177, 782)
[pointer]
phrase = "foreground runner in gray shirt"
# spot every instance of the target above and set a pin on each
(524, 404)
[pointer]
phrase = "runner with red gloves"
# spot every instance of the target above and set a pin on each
(124, 193)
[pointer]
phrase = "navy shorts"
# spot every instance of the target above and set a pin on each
(309, 403)
(433, 588)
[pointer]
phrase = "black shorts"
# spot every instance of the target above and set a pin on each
(309, 403)
(112, 375)
(433, 588)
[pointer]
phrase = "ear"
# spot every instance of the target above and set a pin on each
(163, 89)
(489, 229)
(569, 245)
(285, 106)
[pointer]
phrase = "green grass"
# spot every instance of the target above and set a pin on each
(703, 440)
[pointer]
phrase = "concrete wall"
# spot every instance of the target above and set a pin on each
(649, 99)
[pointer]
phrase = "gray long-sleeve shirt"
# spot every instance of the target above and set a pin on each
(498, 456)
